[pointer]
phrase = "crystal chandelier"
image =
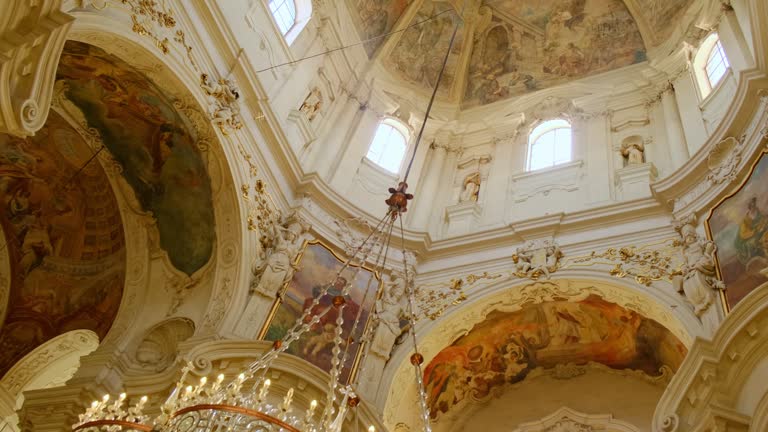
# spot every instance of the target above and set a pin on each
(241, 403)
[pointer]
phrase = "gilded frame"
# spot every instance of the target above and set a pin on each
(340, 258)
(723, 297)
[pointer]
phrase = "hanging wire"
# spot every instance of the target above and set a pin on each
(362, 42)
(434, 94)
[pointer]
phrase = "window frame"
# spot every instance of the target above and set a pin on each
(399, 127)
(718, 49)
(701, 61)
(303, 13)
(283, 4)
(541, 129)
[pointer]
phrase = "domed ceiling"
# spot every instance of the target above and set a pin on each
(511, 47)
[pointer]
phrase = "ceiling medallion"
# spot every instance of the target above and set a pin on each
(242, 403)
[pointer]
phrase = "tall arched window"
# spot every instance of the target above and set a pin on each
(549, 144)
(710, 64)
(388, 147)
(284, 12)
(717, 64)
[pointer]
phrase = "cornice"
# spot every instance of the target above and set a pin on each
(745, 116)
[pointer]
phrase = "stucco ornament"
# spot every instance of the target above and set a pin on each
(276, 269)
(32, 35)
(724, 160)
(535, 260)
(390, 308)
(157, 349)
(312, 104)
(698, 277)
(223, 107)
(568, 420)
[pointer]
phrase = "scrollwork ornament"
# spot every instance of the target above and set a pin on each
(219, 307)
(670, 423)
(724, 160)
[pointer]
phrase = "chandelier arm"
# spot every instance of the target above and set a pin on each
(417, 358)
(382, 256)
(380, 292)
(336, 363)
(434, 94)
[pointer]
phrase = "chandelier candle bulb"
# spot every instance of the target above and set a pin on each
(371, 428)
(216, 384)
(310, 412)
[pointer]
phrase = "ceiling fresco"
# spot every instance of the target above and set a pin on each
(374, 18)
(507, 346)
(419, 54)
(153, 142)
(662, 16)
(524, 45)
(517, 46)
(64, 236)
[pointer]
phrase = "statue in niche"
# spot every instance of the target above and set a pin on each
(389, 310)
(224, 109)
(698, 276)
(633, 152)
(470, 191)
(312, 103)
(277, 269)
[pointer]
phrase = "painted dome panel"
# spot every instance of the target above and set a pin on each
(524, 46)
(155, 144)
(64, 236)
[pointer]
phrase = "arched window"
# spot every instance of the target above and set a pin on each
(710, 64)
(388, 147)
(284, 12)
(717, 64)
(549, 144)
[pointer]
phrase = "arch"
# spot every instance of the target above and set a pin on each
(290, 16)
(49, 365)
(710, 65)
(550, 143)
(389, 145)
(509, 296)
(729, 369)
(110, 31)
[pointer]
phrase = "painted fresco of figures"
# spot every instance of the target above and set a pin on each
(154, 143)
(739, 227)
(376, 17)
(752, 240)
(507, 346)
(318, 271)
(577, 38)
(663, 14)
(64, 236)
(419, 54)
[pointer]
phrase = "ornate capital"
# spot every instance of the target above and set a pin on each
(32, 36)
